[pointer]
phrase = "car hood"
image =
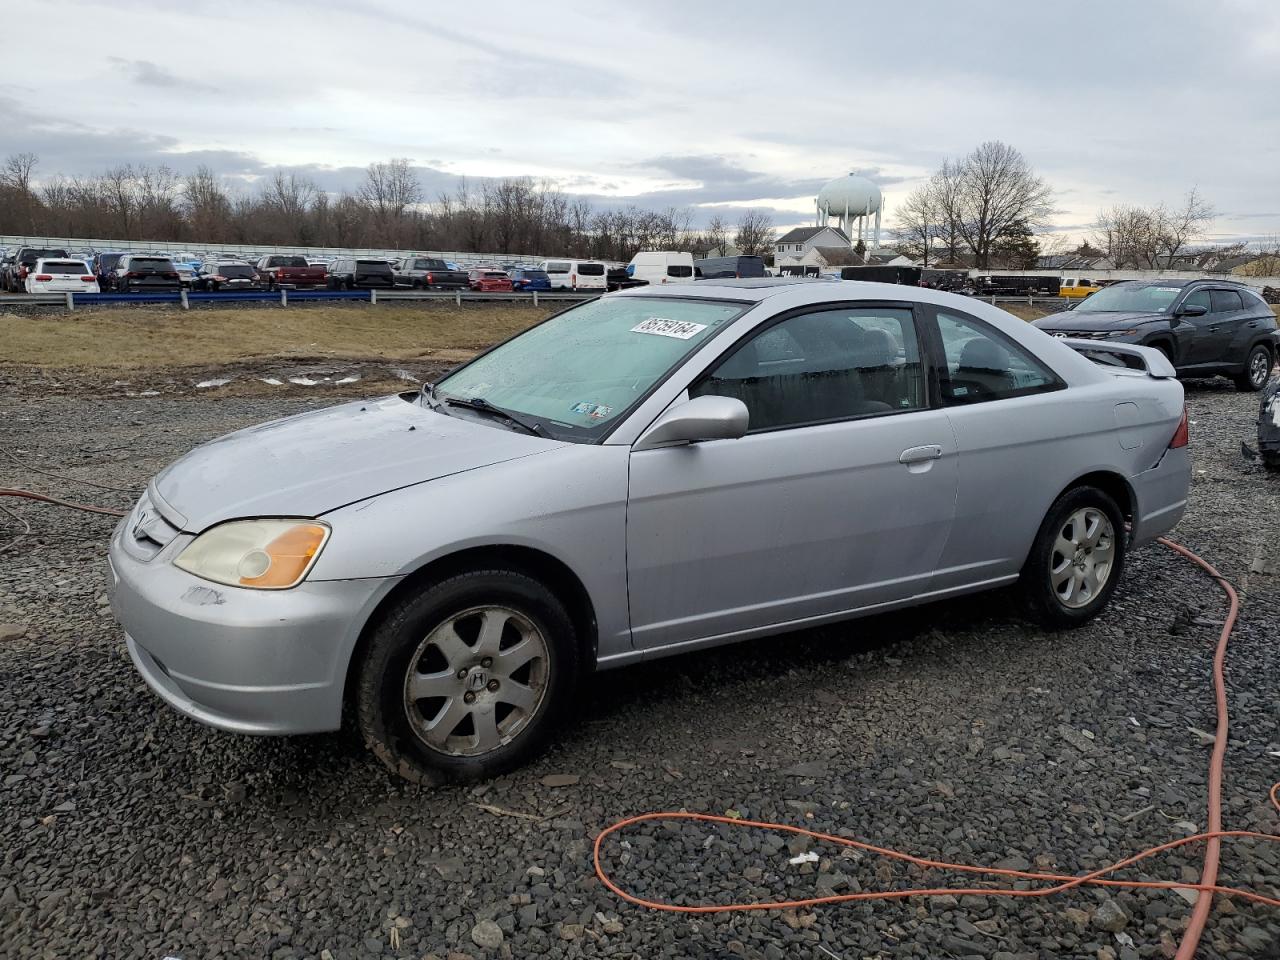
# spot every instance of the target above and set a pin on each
(1075, 320)
(307, 465)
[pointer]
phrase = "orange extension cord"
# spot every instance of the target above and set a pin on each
(1213, 836)
(1208, 879)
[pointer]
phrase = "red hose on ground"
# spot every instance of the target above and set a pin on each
(27, 494)
(1213, 836)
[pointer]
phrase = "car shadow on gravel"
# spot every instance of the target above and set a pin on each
(657, 682)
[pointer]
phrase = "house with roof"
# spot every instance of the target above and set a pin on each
(794, 244)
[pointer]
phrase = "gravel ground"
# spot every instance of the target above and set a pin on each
(956, 731)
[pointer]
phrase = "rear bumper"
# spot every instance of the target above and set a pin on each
(1160, 496)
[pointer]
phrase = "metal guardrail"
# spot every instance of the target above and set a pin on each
(283, 296)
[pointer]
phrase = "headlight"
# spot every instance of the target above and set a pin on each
(1122, 333)
(262, 554)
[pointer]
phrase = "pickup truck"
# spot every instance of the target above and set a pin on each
(280, 270)
(429, 273)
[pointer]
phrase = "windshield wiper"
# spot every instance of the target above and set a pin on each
(484, 406)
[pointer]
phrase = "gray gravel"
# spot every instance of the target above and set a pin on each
(956, 731)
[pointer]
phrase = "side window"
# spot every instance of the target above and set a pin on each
(1198, 298)
(823, 366)
(1226, 301)
(982, 364)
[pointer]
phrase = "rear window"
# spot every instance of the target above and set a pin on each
(432, 265)
(374, 264)
(591, 269)
(534, 274)
(151, 263)
(65, 266)
(31, 256)
(679, 270)
(495, 274)
(288, 262)
(557, 268)
(237, 271)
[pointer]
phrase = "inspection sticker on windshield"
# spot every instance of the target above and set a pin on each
(679, 329)
(596, 411)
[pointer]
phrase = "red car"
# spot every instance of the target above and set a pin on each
(486, 280)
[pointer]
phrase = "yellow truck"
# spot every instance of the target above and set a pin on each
(1077, 288)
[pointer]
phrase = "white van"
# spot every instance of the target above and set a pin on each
(576, 274)
(662, 266)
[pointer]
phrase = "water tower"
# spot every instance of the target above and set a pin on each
(849, 200)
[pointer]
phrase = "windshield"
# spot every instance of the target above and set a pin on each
(586, 367)
(1131, 298)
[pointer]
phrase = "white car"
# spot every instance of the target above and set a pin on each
(61, 276)
(662, 266)
(576, 274)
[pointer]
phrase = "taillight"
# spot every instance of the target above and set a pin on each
(88, 279)
(133, 275)
(573, 278)
(171, 276)
(42, 277)
(22, 272)
(430, 279)
(1182, 435)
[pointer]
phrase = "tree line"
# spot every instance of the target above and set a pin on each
(389, 210)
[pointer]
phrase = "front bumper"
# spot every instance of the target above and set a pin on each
(246, 661)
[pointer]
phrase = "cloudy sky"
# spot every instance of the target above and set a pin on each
(670, 103)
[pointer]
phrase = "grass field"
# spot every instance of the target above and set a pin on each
(123, 340)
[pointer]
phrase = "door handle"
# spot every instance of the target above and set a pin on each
(1253, 323)
(931, 451)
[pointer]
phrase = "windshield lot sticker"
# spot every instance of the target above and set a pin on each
(662, 327)
(596, 411)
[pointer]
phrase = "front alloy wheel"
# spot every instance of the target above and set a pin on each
(468, 677)
(476, 681)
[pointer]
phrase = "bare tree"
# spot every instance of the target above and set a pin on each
(717, 234)
(1184, 224)
(16, 179)
(755, 236)
(998, 188)
(919, 222)
(390, 189)
(947, 190)
(206, 205)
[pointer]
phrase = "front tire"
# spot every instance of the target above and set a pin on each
(467, 678)
(1076, 560)
(1257, 370)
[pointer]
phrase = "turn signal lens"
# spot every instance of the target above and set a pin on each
(1181, 436)
(260, 554)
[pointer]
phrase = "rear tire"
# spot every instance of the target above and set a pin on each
(1076, 560)
(447, 643)
(1257, 370)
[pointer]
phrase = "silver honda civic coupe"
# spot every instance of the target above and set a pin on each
(654, 471)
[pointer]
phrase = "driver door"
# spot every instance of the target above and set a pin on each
(839, 497)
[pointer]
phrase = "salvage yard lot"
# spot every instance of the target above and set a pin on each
(956, 731)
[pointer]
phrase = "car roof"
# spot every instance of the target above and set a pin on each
(750, 288)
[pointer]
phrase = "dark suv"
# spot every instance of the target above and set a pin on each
(1206, 328)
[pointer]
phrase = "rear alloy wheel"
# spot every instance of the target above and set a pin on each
(1076, 560)
(468, 678)
(1257, 370)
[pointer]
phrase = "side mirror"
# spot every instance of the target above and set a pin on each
(702, 418)
(1192, 310)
